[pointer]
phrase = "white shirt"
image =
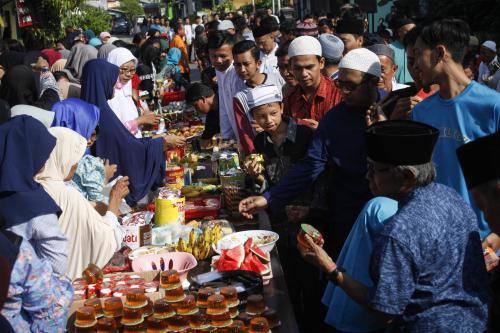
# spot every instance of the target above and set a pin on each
(484, 71)
(189, 33)
(228, 83)
(123, 105)
(269, 61)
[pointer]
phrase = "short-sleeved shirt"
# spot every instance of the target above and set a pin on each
(474, 113)
(427, 265)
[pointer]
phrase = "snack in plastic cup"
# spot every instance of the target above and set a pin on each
(307, 229)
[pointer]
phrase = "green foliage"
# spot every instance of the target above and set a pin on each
(224, 7)
(259, 4)
(131, 8)
(58, 14)
(88, 17)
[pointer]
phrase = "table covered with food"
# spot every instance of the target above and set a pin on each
(190, 262)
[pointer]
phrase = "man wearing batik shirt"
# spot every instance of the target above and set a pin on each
(480, 164)
(315, 94)
(427, 264)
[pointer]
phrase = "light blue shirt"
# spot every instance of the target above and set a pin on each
(343, 312)
(402, 74)
(474, 113)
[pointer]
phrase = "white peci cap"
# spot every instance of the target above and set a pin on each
(362, 60)
(304, 45)
(489, 44)
(224, 25)
(263, 94)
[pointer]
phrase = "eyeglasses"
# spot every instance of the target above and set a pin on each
(127, 70)
(348, 85)
(371, 168)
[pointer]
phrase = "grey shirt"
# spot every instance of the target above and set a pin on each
(48, 240)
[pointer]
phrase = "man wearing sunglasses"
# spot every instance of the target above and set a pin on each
(338, 141)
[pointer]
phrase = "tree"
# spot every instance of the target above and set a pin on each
(131, 8)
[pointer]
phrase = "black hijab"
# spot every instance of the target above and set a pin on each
(4, 111)
(19, 86)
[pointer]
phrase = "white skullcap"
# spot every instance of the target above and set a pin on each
(332, 46)
(362, 60)
(224, 25)
(263, 94)
(304, 45)
(489, 44)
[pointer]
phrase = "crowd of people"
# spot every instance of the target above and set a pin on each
(387, 142)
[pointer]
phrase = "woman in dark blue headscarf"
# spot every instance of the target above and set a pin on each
(25, 207)
(142, 160)
(92, 174)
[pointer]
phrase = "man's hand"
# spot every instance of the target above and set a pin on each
(256, 127)
(311, 123)
(252, 205)
(110, 170)
(374, 114)
(174, 141)
(493, 241)
(149, 119)
(315, 255)
(404, 106)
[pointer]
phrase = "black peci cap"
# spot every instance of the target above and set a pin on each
(350, 26)
(480, 160)
(401, 142)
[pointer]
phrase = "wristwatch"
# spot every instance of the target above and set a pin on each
(333, 277)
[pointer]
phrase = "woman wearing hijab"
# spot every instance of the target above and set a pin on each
(91, 38)
(21, 85)
(78, 57)
(27, 210)
(4, 111)
(171, 70)
(92, 174)
(147, 69)
(10, 59)
(51, 55)
(105, 50)
(37, 300)
(142, 160)
(122, 102)
(92, 238)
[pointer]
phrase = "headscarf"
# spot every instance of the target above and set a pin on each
(76, 115)
(10, 59)
(143, 161)
(25, 146)
(69, 89)
(32, 57)
(105, 50)
(42, 115)
(164, 44)
(150, 56)
(89, 34)
(174, 56)
(91, 238)
(19, 86)
(80, 54)
(64, 53)
(120, 56)
(95, 42)
(58, 65)
(4, 111)
(51, 55)
(152, 32)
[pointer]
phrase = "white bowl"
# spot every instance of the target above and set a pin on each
(232, 240)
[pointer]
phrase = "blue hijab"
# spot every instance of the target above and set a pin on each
(174, 56)
(142, 160)
(25, 146)
(77, 115)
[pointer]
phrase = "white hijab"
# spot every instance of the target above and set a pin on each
(91, 238)
(44, 116)
(122, 103)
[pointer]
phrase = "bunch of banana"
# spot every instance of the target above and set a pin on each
(192, 191)
(201, 246)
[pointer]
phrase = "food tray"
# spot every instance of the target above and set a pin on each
(173, 96)
(200, 210)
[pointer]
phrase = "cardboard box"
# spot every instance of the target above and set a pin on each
(147, 276)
